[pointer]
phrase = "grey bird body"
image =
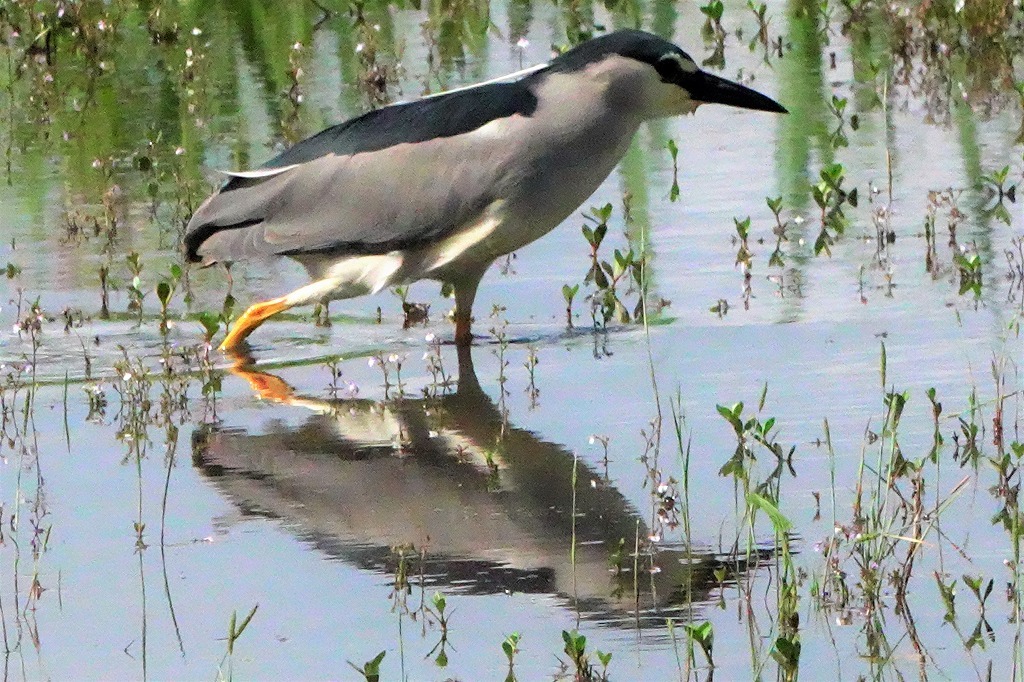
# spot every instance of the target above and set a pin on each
(441, 187)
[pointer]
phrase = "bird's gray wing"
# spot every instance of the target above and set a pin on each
(377, 182)
(369, 203)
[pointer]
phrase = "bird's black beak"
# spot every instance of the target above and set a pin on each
(708, 88)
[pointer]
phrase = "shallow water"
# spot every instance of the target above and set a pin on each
(144, 505)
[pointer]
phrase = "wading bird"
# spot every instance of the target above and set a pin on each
(441, 187)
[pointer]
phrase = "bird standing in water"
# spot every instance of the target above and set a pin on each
(441, 187)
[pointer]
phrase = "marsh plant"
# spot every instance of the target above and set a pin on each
(225, 670)
(135, 293)
(440, 603)
(441, 380)
(569, 294)
(941, 202)
(969, 269)
(510, 647)
(752, 435)
(164, 292)
(371, 669)
(831, 198)
(390, 366)
(584, 670)
(744, 257)
(703, 636)
(838, 108)
(998, 182)
(760, 11)
(779, 230)
(713, 12)
(532, 360)
(673, 150)
(612, 279)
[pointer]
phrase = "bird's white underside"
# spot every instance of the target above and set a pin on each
(352, 276)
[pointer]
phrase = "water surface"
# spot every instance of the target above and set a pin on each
(148, 492)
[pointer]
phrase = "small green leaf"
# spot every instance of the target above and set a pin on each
(588, 234)
(742, 227)
(731, 416)
(210, 322)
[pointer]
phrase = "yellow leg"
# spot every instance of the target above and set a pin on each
(250, 319)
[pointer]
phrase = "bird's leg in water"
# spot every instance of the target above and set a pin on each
(463, 335)
(252, 318)
(465, 292)
(323, 314)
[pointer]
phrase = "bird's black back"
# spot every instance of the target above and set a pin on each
(445, 115)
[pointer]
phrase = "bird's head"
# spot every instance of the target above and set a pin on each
(656, 77)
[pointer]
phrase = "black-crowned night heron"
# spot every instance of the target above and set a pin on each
(441, 187)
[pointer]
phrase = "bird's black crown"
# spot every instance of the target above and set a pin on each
(639, 45)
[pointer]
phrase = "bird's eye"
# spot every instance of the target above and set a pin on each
(673, 68)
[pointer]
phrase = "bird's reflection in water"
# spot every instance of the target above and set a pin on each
(489, 505)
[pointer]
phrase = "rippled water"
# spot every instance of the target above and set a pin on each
(143, 506)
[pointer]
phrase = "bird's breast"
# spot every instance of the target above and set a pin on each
(553, 176)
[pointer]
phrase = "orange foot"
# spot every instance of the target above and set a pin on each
(253, 317)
